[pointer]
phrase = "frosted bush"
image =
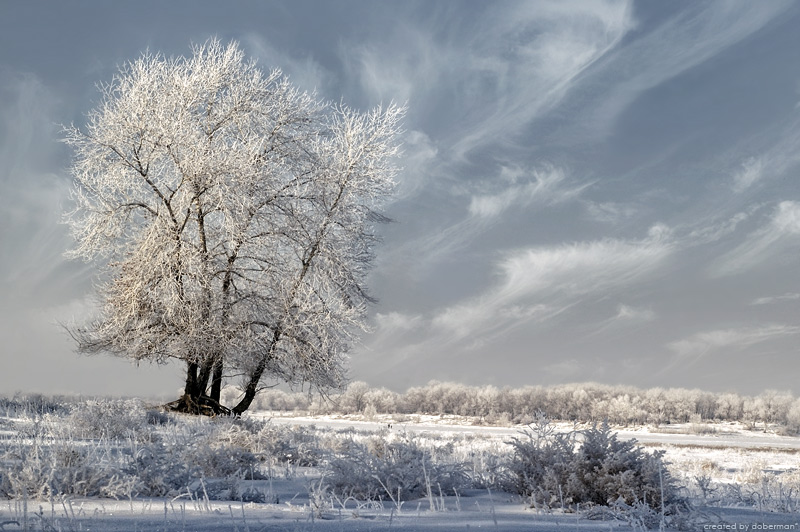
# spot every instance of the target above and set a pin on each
(398, 470)
(606, 468)
(112, 419)
(289, 445)
(553, 470)
(29, 405)
(159, 470)
(539, 466)
(771, 494)
(487, 467)
(58, 467)
(223, 461)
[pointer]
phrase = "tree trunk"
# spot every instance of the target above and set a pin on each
(251, 388)
(216, 380)
(252, 385)
(191, 379)
(194, 400)
(205, 375)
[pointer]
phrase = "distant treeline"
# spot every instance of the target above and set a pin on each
(587, 402)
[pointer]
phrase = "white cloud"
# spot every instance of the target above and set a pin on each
(546, 187)
(786, 220)
(583, 268)
(704, 343)
(305, 72)
(750, 172)
(609, 212)
(394, 322)
(690, 38)
(419, 156)
(789, 296)
(34, 193)
(506, 69)
(779, 158)
(538, 284)
(520, 188)
(533, 53)
(404, 65)
(626, 318)
(632, 314)
(716, 230)
(783, 228)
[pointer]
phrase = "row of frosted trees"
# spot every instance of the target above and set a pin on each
(588, 402)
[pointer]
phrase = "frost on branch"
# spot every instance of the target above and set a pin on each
(231, 215)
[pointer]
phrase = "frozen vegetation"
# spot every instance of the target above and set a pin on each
(585, 402)
(76, 464)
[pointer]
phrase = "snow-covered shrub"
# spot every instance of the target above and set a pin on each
(55, 466)
(607, 469)
(771, 493)
(553, 470)
(540, 464)
(286, 444)
(159, 470)
(487, 467)
(397, 470)
(232, 431)
(109, 418)
(222, 461)
(38, 404)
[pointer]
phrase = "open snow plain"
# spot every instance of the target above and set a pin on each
(117, 466)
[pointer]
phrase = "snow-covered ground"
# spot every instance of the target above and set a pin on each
(762, 468)
(483, 510)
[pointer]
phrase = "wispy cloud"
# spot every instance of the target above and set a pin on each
(629, 314)
(626, 319)
(715, 230)
(788, 296)
(773, 162)
(305, 72)
(782, 228)
(534, 285)
(396, 322)
(419, 61)
(691, 37)
(582, 268)
(750, 172)
(33, 197)
(704, 343)
(419, 157)
(609, 212)
(518, 187)
(544, 186)
(537, 284)
(634, 314)
(496, 72)
(533, 53)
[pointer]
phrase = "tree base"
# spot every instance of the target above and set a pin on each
(199, 406)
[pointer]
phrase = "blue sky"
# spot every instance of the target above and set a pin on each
(592, 191)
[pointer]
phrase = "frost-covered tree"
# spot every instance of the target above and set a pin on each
(231, 214)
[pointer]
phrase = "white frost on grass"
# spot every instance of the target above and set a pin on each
(758, 465)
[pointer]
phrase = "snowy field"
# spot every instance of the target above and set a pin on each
(117, 466)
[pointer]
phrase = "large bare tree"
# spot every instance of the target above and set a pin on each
(232, 218)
